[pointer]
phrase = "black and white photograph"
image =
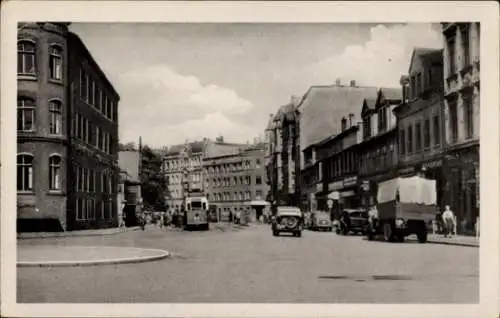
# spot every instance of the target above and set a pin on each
(243, 161)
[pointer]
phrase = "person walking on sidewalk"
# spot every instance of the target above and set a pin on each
(449, 222)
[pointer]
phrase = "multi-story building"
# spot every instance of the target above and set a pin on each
(282, 155)
(420, 118)
(67, 161)
(129, 196)
(338, 156)
(378, 156)
(461, 120)
(182, 165)
(320, 111)
(235, 179)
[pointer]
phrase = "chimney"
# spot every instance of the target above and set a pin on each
(343, 123)
(337, 82)
(353, 83)
(351, 119)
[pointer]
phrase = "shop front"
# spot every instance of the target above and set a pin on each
(461, 186)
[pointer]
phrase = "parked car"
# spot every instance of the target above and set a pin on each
(353, 221)
(289, 220)
(321, 221)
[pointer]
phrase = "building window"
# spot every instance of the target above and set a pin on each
(429, 78)
(26, 58)
(55, 112)
(468, 116)
(418, 87)
(258, 195)
(367, 127)
(451, 54)
(102, 101)
(24, 172)
(418, 136)
(402, 145)
(84, 86)
(413, 83)
(464, 32)
(258, 180)
(55, 60)
(427, 133)
(453, 120)
(257, 163)
(410, 139)
(92, 92)
(55, 172)
(25, 114)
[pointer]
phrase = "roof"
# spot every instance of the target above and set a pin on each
(434, 54)
(392, 93)
(75, 39)
(219, 149)
(370, 102)
(286, 113)
(323, 107)
(192, 147)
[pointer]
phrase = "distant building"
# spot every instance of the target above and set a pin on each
(338, 157)
(420, 118)
(378, 156)
(461, 120)
(235, 179)
(67, 127)
(129, 197)
(320, 111)
(182, 165)
(283, 155)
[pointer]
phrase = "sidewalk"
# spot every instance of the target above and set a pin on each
(97, 232)
(459, 240)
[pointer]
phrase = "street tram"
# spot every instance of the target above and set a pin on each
(196, 213)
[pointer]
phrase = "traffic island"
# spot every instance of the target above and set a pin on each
(64, 256)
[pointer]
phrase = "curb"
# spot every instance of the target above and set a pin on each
(454, 243)
(41, 235)
(161, 255)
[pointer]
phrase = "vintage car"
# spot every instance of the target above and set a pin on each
(321, 220)
(288, 219)
(353, 221)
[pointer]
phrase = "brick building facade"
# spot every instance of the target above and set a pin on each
(67, 133)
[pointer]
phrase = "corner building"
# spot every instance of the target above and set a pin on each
(461, 120)
(67, 133)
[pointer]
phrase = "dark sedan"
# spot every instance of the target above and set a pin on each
(353, 221)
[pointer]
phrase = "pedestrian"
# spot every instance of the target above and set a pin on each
(230, 217)
(449, 221)
(162, 220)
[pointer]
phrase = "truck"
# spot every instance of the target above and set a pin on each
(196, 212)
(405, 206)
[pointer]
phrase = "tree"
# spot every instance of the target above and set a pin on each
(152, 179)
(129, 146)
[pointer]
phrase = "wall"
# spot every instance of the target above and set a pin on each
(39, 143)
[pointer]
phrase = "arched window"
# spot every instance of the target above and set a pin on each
(55, 113)
(55, 172)
(24, 172)
(26, 58)
(25, 114)
(55, 60)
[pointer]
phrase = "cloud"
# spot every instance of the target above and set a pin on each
(381, 60)
(161, 99)
(209, 126)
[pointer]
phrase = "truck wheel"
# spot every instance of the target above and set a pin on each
(422, 236)
(299, 234)
(275, 233)
(388, 232)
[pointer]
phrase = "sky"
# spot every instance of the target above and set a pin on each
(188, 81)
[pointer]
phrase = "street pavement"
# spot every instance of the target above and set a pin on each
(248, 264)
